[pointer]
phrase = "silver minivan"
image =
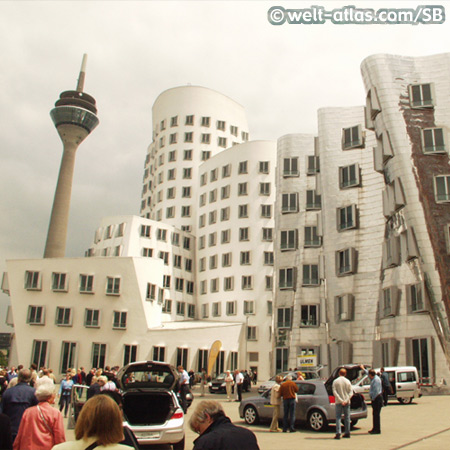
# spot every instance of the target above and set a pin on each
(404, 382)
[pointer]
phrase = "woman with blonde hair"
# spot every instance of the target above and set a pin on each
(99, 425)
(275, 401)
(42, 425)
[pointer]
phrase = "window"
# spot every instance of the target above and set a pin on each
(289, 203)
(242, 189)
(151, 292)
(159, 353)
(32, 280)
(249, 307)
(247, 282)
(170, 194)
(177, 261)
(171, 174)
(92, 318)
(121, 227)
(268, 258)
(162, 141)
(216, 309)
(147, 252)
(244, 135)
(228, 283)
(205, 311)
(179, 284)
(36, 315)
(288, 240)
(59, 282)
(226, 260)
(346, 261)
(264, 167)
(161, 235)
(352, 137)
(311, 237)
(344, 306)
(174, 121)
(415, 298)
(243, 211)
(225, 236)
(313, 200)
(68, 351)
(226, 171)
(212, 195)
(206, 121)
(225, 214)
(63, 316)
(267, 234)
(268, 282)
(284, 317)
(39, 353)
(170, 212)
(310, 316)
(173, 138)
(349, 176)
(233, 130)
(189, 288)
(225, 192)
(244, 234)
(266, 211)
(112, 286)
(264, 188)
(212, 239)
(251, 333)
(389, 304)
(220, 125)
(120, 320)
(187, 155)
(391, 252)
(206, 139)
(269, 307)
(206, 155)
(176, 239)
(185, 211)
(189, 137)
(242, 168)
(181, 308)
(188, 265)
(167, 306)
(86, 284)
(166, 281)
(310, 275)
(212, 217)
(433, 140)
(222, 142)
(213, 262)
(313, 165)
(98, 355)
(245, 258)
(231, 308)
(442, 188)
(129, 354)
(202, 264)
(281, 359)
(108, 232)
(421, 95)
(287, 278)
(187, 173)
(215, 285)
(201, 242)
(290, 167)
(346, 218)
(191, 311)
(202, 200)
(213, 175)
(189, 120)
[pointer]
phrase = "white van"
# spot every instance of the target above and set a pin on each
(404, 383)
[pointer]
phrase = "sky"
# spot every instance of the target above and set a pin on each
(281, 74)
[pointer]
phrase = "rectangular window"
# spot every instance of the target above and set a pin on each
(313, 165)
(166, 281)
(167, 306)
(174, 121)
(179, 284)
(282, 359)
(264, 188)
(243, 211)
(245, 258)
(225, 214)
(59, 281)
(213, 196)
(220, 125)
(228, 283)
(225, 192)
(344, 306)
(176, 239)
(247, 282)
(202, 199)
(269, 307)
(244, 234)
(159, 353)
(313, 200)
(39, 354)
(433, 140)
(98, 355)
(251, 333)
(129, 354)
(188, 264)
(151, 292)
(346, 218)
(352, 137)
(201, 242)
(311, 237)
(249, 307)
(264, 167)
(213, 176)
(172, 156)
(213, 262)
(222, 142)
(32, 280)
(268, 282)
(268, 258)
(345, 261)
(215, 285)
(212, 217)
(36, 315)
(309, 316)
(177, 261)
(226, 171)
(91, 318)
(189, 137)
(231, 308)
(161, 235)
(170, 195)
(284, 317)
(185, 211)
(212, 240)
(267, 234)
(206, 138)
(187, 155)
(206, 121)
(442, 188)
(286, 278)
(421, 95)
(171, 174)
(170, 212)
(266, 211)
(68, 351)
(173, 138)
(290, 167)
(225, 236)
(242, 168)
(86, 284)
(244, 135)
(189, 120)
(63, 316)
(181, 308)
(216, 310)
(233, 130)
(112, 286)
(205, 311)
(349, 176)
(310, 275)
(120, 320)
(289, 203)
(242, 189)
(190, 287)
(187, 173)
(226, 259)
(191, 311)
(288, 240)
(415, 298)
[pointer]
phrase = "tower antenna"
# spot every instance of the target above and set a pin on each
(80, 85)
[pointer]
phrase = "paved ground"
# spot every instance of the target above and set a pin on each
(425, 424)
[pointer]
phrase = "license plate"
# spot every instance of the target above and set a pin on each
(147, 435)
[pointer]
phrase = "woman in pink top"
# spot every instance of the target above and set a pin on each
(42, 425)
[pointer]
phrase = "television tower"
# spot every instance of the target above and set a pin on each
(74, 116)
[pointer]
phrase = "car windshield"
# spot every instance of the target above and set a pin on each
(141, 376)
(360, 376)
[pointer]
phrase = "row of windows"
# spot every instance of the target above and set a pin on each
(390, 300)
(225, 192)
(228, 284)
(231, 308)
(245, 259)
(205, 138)
(109, 232)
(309, 316)
(33, 281)
(291, 166)
(64, 317)
(263, 168)
(162, 235)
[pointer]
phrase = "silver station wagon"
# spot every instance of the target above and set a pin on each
(315, 406)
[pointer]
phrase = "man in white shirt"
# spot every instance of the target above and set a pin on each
(239, 381)
(184, 387)
(342, 391)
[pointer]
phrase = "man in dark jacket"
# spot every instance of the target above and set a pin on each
(17, 399)
(216, 430)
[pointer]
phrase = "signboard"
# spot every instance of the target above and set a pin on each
(306, 360)
(213, 353)
(5, 340)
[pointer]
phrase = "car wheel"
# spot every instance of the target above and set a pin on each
(251, 415)
(353, 422)
(317, 420)
(405, 401)
(178, 445)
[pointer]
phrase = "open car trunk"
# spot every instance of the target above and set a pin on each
(356, 401)
(147, 408)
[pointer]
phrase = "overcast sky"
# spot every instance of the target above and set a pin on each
(136, 50)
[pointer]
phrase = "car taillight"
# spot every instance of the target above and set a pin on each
(331, 399)
(177, 415)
